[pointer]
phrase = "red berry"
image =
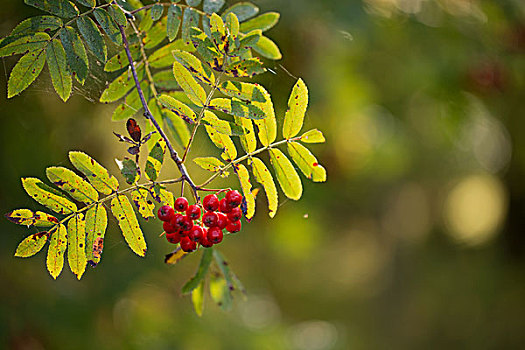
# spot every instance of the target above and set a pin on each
(223, 221)
(233, 227)
(174, 237)
(210, 202)
(181, 222)
(168, 227)
(193, 212)
(224, 207)
(165, 213)
(181, 204)
(196, 233)
(233, 198)
(209, 219)
(187, 244)
(215, 235)
(235, 214)
(204, 241)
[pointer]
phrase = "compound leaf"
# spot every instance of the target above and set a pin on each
(61, 8)
(143, 204)
(47, 196)
(75, 53)
(307, 162)
(57, 65)
(127, 221)
(93, 37)
(76, 245)
(246, 186)
(286, 174)
(72, 184)
(96, 174)
(31, 245)
(237, 108)
(193, 283)
(264, 177)
(25, 72)
(297, 103)
(56, 250)
(194, 91)
(96, 224)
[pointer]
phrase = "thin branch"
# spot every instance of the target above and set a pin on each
(147, 113)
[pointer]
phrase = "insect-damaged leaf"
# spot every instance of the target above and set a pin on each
(75, 53)
(194, 91)
(72, 184)
(246, 187)
(209, 163)
(45, 195)
(264, 177)
(263, 22)
(297, 103)
(154, 161)
(193, 283)
(267, 48)
(237, 108)
(220, 140)
(243, 11)
(31, 245)
(96, 224)
(143, 204)
(200, 71)
(93, 37)
(76, 245)
(127, 221)
(307, 162)
(312, 136)
(245, 68)
(61, 8)
(286, 174)
(37, 24)
(179, 108)
(56, 250)
(25, 72)
(174, 19)
(30, 43)
(96, 174)
(57, 65)
(27, 218)
(197, 298)
(106, 22)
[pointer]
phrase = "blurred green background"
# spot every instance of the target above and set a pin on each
(415, 242)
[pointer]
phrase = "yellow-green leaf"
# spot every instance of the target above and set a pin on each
(245, 68)
(56, 250)
(297, 103)
(197, 298)
(267, 48)
(179, 108)
(236, 107)
(231, 279)
(127, 221)
(163, 57)
(166, 197)
(57, 65)
(194, 91)
(195, 66)
(219, 291)
(286, 174)
(25, 72)
(248, 140)
(72, 184)
(96, 174)
(243, 91)
(267, 126)
(222, 126)
(155, 160)
(307, 162)
(96, 224)
(175, 256)
(313, 136)
(45, 195)
(120, 60)
(27, 218)
(265, 178)
(209, 163)
(246, 187)
(144, 205)
(119, 87)
(76, 245)
(30, 43)
(221, 141)
(31, 245)
(263, 22)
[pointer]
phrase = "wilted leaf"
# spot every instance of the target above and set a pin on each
(27, 218)
(175, 256)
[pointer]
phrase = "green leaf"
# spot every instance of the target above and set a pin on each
(119, 87)
(248, 140)
(120, 60)
(189, 19)
(25, 72)
(193, 283)
(179, 108)
(221, 141)
(243, 11)
(57, 65)
(129, 170)
(93, 37)
(267, 48)
(231, 279)
(248, 41)
(61, 8)
(127, 221)
(156, 12)
(206, 49)
(106, 22)
(76, 55)
(132, 105)
(245, 68)
(286, 174)
(219, 291)
(297, 103)
(95, 173)
(237, 108)
(72, 184)
(37, 24)
(174, 19)
(194, 66)
(232, 26)
(27, 218)
(312, 136)
(193, 3)
(155, 35)
(211, 6)
(146, 23)
(267, 126)
(76, 245)
(31, 245)
(118, 15)
(209, 163)
(263, 22)
(265, 178)
(243, 91)
(44, 195)
(176, 126)
(194, 91)
(222, 126)
(30, 43)
(197, 298)
(87, 3)
(144, 205)
(56, 250)
(164, 80)
(155, 160)
(246, 187)
(163, 57)
(96, 224)
(307, 162)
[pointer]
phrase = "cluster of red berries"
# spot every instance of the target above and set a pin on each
(208, 229)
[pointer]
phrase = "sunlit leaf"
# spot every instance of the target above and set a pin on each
(248, 140)
(95, 173)
(76, 55)
(163, 57)
(96, 224)
(206, 48)
(56, 250)
(195, 66)
(245, 68)
(232, 26)
(267, 48)
(61, 8)
(268, 126)
(265, 178)
(221, 141)
(193, 283)
(176, 125)
(127, 221)
(286, 174)
(217, 32)
(31, 245)
(307, 162)
(37, 24)
(179, 108)
(246, 187)
(194, 91)
(243, 91)
(174, 19)
(155, 35)
(25, 44)
(211, 6)
(154, 161)
(222, 126)
(57, 65)
(106, 22)
(27, 218)
(72, 184)
(93, 37)
(312, 136)
(166, 197)
(46, 196)
(119, 87)
(76, 245)
(144, 205)
(209, 163)
(297, 103)
(263, 22)
(197, 298)
(25, 72)
(175, 256)
(236, 107)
